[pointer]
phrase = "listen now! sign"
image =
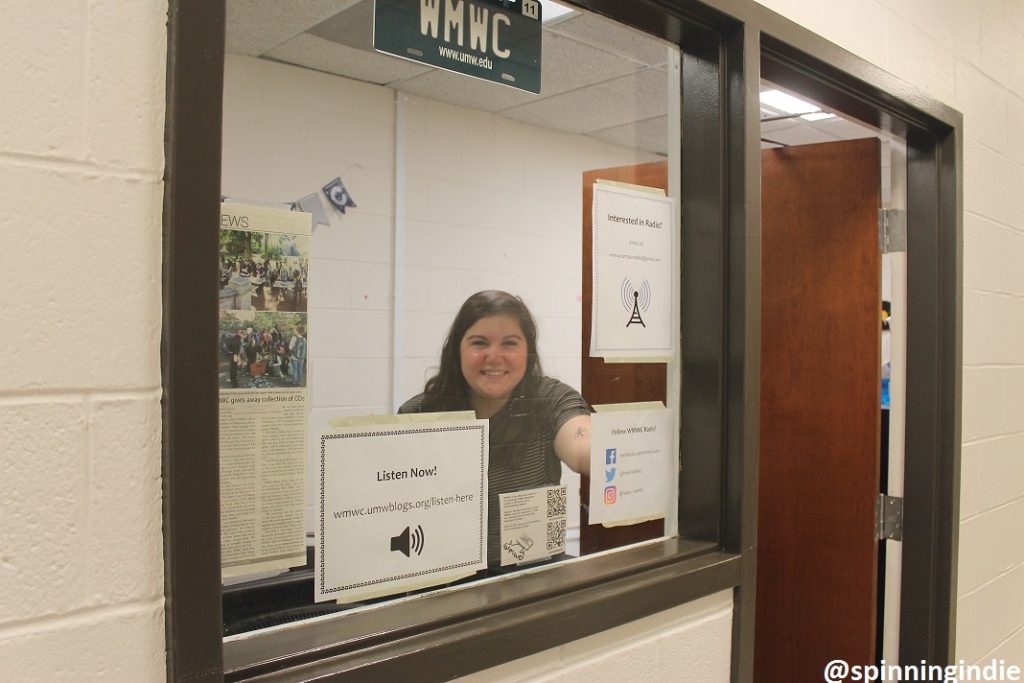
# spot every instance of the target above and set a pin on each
(489, 39)
(403, 506)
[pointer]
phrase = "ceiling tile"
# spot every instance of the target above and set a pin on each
(255, 26)
(612, 103)
(566, 65)
(353, 27)
(781, 124)
(650, 135)
(464, 91)
(593, 70)
(845, 129)
(799, 131)
(316, 53)
(613, 37)
(798, 135)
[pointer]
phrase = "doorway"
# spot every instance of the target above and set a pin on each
(820, 587)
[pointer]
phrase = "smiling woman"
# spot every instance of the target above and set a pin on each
(489, 364)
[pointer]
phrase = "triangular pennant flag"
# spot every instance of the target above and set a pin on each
(311, 204)
(338, 195)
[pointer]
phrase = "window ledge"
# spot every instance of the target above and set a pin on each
(453, 633)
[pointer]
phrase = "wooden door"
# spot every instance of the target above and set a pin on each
(820, 387)
(602, 382)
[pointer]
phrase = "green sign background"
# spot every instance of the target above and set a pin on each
(510, 53)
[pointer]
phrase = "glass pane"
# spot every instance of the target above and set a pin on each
(528, 230)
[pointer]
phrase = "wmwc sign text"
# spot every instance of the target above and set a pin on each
(489, 39)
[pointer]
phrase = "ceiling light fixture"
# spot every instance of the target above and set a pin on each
(781, 101)
(818, 116)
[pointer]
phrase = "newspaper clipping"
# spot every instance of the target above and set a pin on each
(264, 262)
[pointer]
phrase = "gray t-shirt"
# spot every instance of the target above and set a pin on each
(522, 452)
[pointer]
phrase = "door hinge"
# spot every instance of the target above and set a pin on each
(892, 230)
(888, 518)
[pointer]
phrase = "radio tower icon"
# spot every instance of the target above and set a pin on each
(635, 299)
(635, 318)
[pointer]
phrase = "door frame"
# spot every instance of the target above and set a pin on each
(934, 306)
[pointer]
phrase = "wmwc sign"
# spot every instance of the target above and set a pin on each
(489, 39)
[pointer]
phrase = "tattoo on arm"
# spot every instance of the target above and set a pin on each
(580, 432)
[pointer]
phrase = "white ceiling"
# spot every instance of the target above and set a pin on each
(779, 129)
(598, 78)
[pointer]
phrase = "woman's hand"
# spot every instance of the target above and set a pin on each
(572, 444)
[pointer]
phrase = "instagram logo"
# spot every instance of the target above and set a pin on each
(610, 495)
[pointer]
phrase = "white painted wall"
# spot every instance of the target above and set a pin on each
(489, 203)
(81, 163)
(686, 644)
(80, 146)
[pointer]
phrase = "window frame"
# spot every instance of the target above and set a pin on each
(725, 46)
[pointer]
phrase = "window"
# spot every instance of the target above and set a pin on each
(717, 371)
(429, 188)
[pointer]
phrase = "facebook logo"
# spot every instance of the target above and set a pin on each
(610, 456)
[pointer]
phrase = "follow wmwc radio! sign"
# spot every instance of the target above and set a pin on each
(494, 40)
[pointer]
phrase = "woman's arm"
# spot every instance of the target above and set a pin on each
(572, 444)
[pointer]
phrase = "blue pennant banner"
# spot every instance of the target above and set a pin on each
(338, 196)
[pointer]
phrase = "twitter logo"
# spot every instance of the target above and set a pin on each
(609, 474)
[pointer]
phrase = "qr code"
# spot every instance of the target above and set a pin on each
(556, 502)
(556, 536)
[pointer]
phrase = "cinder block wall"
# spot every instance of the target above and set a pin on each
(81, 163)
(80, 169)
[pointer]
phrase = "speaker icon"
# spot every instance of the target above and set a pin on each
(406, 541)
